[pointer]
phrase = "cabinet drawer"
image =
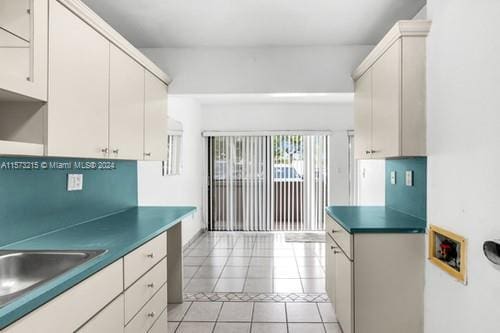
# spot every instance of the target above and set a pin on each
(161, 325)
(139, 261)
(330, 267)
(344, 292)
(340, 236)
(149, 313)
(141, 291)
(109, 320)
(69, 311)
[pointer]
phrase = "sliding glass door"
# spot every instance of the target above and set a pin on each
(267, 183)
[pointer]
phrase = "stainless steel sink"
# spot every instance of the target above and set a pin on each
(22, 271)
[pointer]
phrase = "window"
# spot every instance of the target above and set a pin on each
(172, 165)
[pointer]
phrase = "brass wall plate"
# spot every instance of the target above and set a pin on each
(448, 251)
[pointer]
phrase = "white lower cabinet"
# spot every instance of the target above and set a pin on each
(141, 291)
(148, 315)
(69, 311)
(103, 304)
(161, 325)
(142, 259)
(379, 287)
(109, 320)
(155, 119)
(330, 267)
(344, 291)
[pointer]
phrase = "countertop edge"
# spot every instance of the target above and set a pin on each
(31, 301)
(375, 230)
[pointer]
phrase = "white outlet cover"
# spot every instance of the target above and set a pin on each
(393, 177)
(409, 178)
(75, 182)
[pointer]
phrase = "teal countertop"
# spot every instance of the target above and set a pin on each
(117, 233)
(371, 219)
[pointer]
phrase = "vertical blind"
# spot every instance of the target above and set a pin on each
(267, 183)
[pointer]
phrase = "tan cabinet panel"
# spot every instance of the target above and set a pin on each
(330, 267)
(342, 238)
(161, 325)
(144, 258)
(126, 106)
(389, 100)
(142, 290)
(148, 315)
(155, 119)
(344, 294)
(413, 122)
(363, 117)
(109, 320)
(78, 87)
(386, 103)
(72, 309)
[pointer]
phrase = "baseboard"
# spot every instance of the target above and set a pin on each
(194, 238)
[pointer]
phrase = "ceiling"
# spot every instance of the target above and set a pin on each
(273, 98)
(251, 23)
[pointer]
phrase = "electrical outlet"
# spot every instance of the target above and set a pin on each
(409, 178)
(393, 177)
(75, 182)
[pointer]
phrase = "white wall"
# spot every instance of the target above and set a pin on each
(371, 182)
(336, 117)
(260, 69)
(463, 145)
(186, 188)
(278, 116)
(422, 14)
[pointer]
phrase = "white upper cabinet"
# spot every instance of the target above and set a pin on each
(78, 87)
(363, 116)
(23, 50)
(386, 103)
(71, 86)
(390, 95)
(126, 107)
(155, 119)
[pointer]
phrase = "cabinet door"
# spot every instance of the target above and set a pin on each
(109, 320)
(363, 116)
(386, 89)
(15, 18)
(344, 292)
(330, 268)
(155, 119)
(78, 87)
(126, 106)
(23, 48)
(70, 310)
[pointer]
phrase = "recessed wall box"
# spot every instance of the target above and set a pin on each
(448, 251)
(492, 251)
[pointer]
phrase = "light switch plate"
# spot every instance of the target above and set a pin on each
(393, 177)
(409, 178)
(75, 182)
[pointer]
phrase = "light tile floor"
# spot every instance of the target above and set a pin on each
(243, 264)
(254, 263)
(252, 317)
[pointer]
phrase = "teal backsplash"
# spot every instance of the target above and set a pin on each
(410, 200)
(35, 201)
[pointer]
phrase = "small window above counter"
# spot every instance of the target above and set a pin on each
(173, 163)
